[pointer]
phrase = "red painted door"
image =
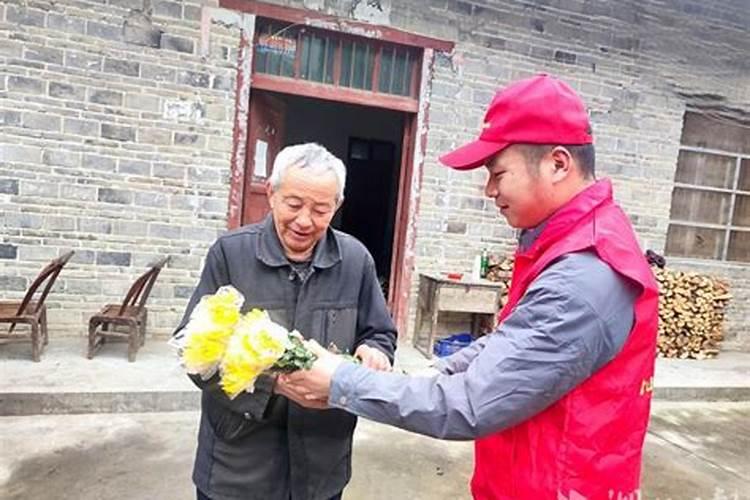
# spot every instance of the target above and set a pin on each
(265, 138)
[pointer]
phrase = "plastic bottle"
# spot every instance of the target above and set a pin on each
(484, 264)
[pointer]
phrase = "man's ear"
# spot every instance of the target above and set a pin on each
(269, 193)
(562, 163)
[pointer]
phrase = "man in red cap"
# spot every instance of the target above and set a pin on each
(558, 396)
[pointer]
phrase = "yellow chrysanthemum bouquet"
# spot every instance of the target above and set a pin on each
(239, 346)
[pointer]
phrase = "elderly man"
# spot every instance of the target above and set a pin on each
(557, 398)
(312, 278)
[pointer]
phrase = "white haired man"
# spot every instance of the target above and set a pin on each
(312, 278)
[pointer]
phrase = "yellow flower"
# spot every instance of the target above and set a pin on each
(204, 350)
(257, 343)
(223, 307)
(208, 332)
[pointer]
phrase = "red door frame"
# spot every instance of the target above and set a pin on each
(413, 143)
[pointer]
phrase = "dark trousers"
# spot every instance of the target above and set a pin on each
(201, 496)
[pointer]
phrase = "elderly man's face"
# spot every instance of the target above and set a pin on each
(302, 208)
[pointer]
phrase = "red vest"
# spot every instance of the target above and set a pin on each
(589, 443)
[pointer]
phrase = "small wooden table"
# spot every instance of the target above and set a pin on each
(438, 293)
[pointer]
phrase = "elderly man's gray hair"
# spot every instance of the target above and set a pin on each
(308, 156)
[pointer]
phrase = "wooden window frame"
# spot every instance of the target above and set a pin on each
(334, 91)
(733, 192)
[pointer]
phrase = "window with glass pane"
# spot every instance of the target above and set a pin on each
(315, 55)
(710, 212)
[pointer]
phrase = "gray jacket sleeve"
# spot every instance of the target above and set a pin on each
(460, 360)
(214, 276)
(574, 318)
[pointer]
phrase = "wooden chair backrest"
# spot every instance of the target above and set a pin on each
(141, 288)
(49, 275)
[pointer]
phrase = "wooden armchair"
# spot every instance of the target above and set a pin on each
(33, 312)
(126, 320)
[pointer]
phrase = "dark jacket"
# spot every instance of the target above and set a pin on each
(263, 446)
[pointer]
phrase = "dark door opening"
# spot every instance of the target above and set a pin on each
(367, 139)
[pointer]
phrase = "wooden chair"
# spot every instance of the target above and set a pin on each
(127, 320)
(33, 312)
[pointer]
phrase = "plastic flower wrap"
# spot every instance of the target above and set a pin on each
(205, 338)
(241, 347)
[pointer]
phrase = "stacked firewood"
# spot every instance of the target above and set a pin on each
(691, 314)
(499, 270)
(691, 308)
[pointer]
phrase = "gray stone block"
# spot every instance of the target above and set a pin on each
(81, 127)
(38, 188)
(158, 73)
(83, 257)
(565, 57)
(121, 67)
(59, 223)
(101, 163)
(9, 117)
(183, 292)
(167, 171)
(66, 23)
(105, 31)
(78, 192)
(193, 78)
(147, 199)
(213, 205)
(191, 13)
(23, 15)
(44, 54)
(118, 132)
(23, 220)
(120, 196)
(142, 102)
(113, 258)
(127, 4)
(12, 283)
(61, 157)
(37, 252)
(168, 9)
(155, 136)
(66, 91)
(23, 84)
(8, 186)
(134, 167)
(94, 225)
(186, 139)
(164, 231)
(455, 227)
(106, 97)
(130, 228)
(18, 153)
(177, 43)
(41, 121)
(8, 251)
(83, 60)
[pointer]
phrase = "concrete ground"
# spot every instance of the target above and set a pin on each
(66, 382)
(693, 451)
(72, 428)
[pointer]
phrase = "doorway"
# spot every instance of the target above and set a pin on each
(367, 139)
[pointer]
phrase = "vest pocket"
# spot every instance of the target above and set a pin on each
(340, 328)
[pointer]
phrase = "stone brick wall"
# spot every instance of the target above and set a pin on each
(116, 139)
(638, 65)
(116, 130)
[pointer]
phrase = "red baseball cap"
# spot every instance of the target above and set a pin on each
(538, 110)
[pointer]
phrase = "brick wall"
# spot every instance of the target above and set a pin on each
(116, 139)
(117, 132)
(638, 65)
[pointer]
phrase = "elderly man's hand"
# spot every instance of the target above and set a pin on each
(373, 358)
(310, 388)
